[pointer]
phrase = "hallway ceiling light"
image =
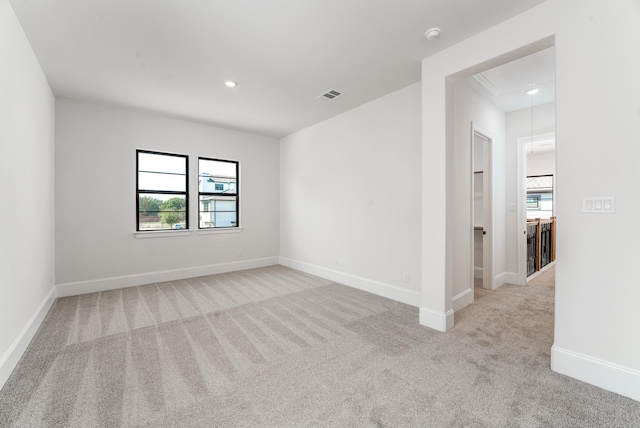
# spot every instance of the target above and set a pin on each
(231, 84)
(432, 33)
(533, 91)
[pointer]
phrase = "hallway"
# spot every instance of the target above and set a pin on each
(544, 278)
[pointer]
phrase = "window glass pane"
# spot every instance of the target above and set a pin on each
(540, 196)
(533, 202)
(159, 181)
(217, 219)
(217, 176)
(217, 211)
(544, 182)
(217, 203)
(218, 187)
(161, 211)
(225, 205)
(225, 219)
(162, 163)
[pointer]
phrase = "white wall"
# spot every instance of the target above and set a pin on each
(470, 107)
(26, 188)
(542, 163)
(350, 190)
(518, 125)
(95, 199)
(597, 293)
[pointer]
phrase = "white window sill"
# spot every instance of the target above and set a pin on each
(214, 231)
(162, 233)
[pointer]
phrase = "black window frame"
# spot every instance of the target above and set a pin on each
(535, 197)
(161, 191)
(537, 192)
(202, 193)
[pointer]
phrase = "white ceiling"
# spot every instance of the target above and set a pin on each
(172, 57)
(507, 85)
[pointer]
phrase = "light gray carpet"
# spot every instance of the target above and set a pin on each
(546, 277)
(274, 347)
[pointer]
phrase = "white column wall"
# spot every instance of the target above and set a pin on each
(470, 107)
(96, 199)
(597, 130)
(26, 187)
(350, 197)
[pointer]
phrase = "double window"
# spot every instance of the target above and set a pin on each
(217, 193)
(163, 196)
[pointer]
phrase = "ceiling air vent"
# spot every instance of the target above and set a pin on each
(330, 95)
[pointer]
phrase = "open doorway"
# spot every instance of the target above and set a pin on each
(482, 227)
(446, 156)
(537, 196)
(513, 101)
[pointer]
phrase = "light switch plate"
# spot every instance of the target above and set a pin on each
(599, 204)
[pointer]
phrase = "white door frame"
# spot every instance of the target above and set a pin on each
(488, 280)
(522, 202)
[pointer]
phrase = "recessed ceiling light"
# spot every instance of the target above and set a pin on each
(533, 91)
(432, 33)
(231, 83)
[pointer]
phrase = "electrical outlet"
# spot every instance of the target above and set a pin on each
(340, 263)
(240, 254)
(406, 277)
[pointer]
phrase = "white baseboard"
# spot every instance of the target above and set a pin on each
(500, 280)
(478, 272)
(10, 359)
(603, 374)
(463, 299)
(381, 289)
(104, 284)
(440, 321)
(509, 278)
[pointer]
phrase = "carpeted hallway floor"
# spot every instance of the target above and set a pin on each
(546, 277)
(274, 347)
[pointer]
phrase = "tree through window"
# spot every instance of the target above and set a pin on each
(161, 191)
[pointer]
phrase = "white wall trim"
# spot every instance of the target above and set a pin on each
(510, 278)
(112, 283)
(603, 374)
(440, 321)
(10, 359)
(389, 291)
(162, 233)
(463, 299)
(500, 280)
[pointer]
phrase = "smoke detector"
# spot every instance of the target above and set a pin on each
(432, 33)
